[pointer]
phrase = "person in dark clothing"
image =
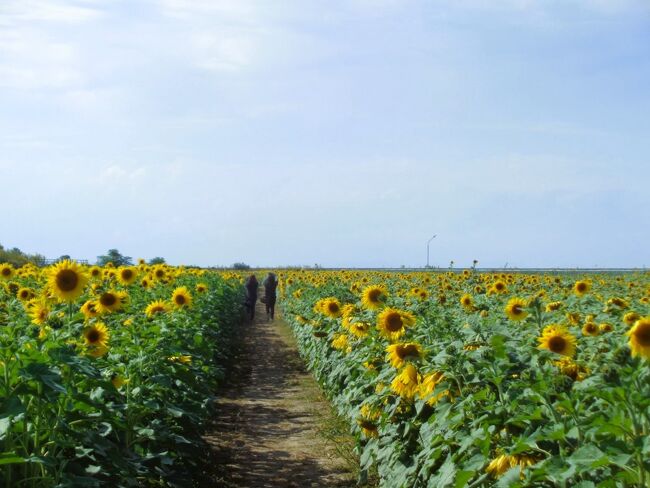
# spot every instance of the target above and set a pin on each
(251, 286)
(270, 284)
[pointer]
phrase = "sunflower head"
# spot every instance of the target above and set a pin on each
(156, 307)
(127, 275)
(392, 322)
(400, 354)
(67, 280)
(467, 302)
(181, 297)
(516, 309)
(109, 301)
(374, 297)
(557, 339)
(639, 335)
(581, 287)
(201, 288)
(590, 329)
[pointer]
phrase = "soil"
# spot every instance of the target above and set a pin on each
(273, 426)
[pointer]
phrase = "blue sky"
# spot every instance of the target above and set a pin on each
(343, 133)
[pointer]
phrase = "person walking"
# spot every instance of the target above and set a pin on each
(270, 285)
(251, 286)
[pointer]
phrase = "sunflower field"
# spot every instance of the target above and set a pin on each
(478, 379)
(106, 374)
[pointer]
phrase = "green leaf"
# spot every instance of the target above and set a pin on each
(11, 458)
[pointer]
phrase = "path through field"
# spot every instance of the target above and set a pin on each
(273, 428)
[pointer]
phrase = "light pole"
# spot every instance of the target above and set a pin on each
(429, 242)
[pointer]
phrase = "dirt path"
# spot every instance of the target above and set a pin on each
(273, 427)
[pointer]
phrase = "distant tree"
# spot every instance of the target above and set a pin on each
(114, 256)
(157, 260)
(63, 257)
(18, 258)
(241, 266)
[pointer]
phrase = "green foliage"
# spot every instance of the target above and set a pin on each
(65, 419)
(18, 258)
(501, 394)
(114, 256)
(156, 260)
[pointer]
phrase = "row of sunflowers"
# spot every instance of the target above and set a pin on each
(106, 373)
(483, 379)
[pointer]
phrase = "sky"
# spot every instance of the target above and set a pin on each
(343, 133)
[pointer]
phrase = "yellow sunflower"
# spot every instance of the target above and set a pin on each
(6, 271)
(39, 312)
(25, 294)
(400, 354)
(406, 383)
(428, 386)
(96, 338)
(89, 309)
(392, 322)
(640, 338)
(499, 287)
(467, 302)
(127, 275)
(581, 287)
(516, 309)
(108, 302)
(201, 288)
(156, 307)
(557, 339)
(590, 329)
(330, 307)
(67, 280)
(181, 297)
(630, 318)
(95, 272)
(374, 297)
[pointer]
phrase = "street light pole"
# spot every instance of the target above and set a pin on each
(429, 242)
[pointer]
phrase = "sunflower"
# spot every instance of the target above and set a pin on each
(581, 287)
(39, 312)
(368, 427)
(330, 307)
(96, 338)
(340, 342)
(640, 338)
(201, 288)
(557, 339)
(89, 309)
(146, 283)
(553, 306)
(25, 294)
(630, 318)
(619, 302)
(590, 329)
(571, 369)
(605, 327)
(183, 359)
(515, 309)
(154, 308)
(467, 302)
(374, 297)
(499, 465)
(359, 329)
(392, 322)
(181, 297)
(499, 287)
(6, 271)
(126, 275)
(108, 302)
(95, 272)
(67, 280)
(400, 354)
(428, 386)
(406, 383)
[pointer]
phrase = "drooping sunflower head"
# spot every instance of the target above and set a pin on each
(156, 307)
(181, 297)
(374, 297)
(67, 280)
(406, 383)
(400, 354)
(127, 275)
(639, 335)
(581, 287)
(516, 309)
(557, 339)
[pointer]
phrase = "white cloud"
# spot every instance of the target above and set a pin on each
(47, 11)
